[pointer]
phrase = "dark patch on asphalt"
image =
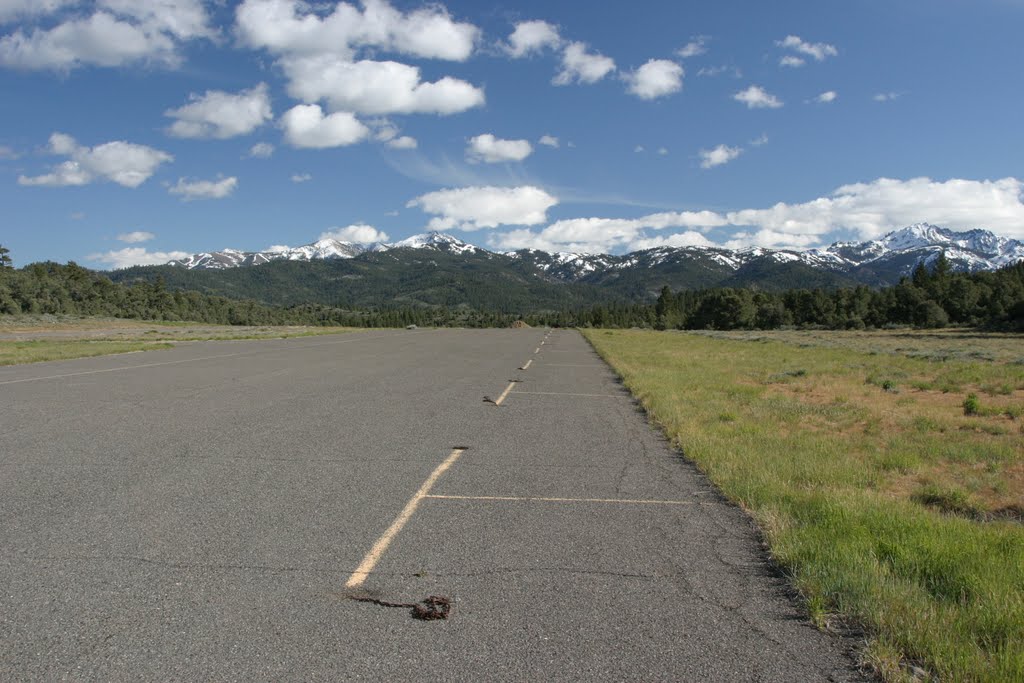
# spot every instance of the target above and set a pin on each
(431, 608)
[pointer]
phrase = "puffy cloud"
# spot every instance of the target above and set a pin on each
(603, 235)
(387, 132)
(531, 37)
(190, 190)
(885, 96)
(694, 48)
(120, 32)
(580, 66)
(689, 238)
(549, 141)
(492, 150)
(826, 97)
(817, 51)
(217, 114)
(663, 151)
(306, 126)
(294, 26)
(868, 210)
(722, 154)
(136, 256)
(656, 78)
(762, 139)
(403, 142)
(261, 150)
(183, 19)
(124, 163)
(371, 87)
(472, 208)
(756, 97)
(875, 208)
(20, 9)
(360, 233)
(135, 237)
(301, 177)
(792, 61)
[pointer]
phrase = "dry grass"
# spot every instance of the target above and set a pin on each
(32, 339)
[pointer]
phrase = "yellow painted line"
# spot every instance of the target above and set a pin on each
(527, 365)
(505, 393)
(537, 350)
(531, 499)
(559, 393)
(372, 557)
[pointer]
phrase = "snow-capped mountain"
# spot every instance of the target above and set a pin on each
(971, 250)
(875, 262)
(321, 250)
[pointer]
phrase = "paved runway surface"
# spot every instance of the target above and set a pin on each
(209, 512)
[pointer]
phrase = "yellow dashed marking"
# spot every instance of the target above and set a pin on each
(505, 393)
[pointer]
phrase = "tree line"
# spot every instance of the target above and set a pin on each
(929, 298)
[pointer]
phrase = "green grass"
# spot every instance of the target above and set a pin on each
(872, 500)
(18, 352)
(45, 339)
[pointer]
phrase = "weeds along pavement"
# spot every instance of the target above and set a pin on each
(888, 484)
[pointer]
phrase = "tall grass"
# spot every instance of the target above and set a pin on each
(848, 481)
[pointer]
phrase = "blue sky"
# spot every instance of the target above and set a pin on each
(134, 132)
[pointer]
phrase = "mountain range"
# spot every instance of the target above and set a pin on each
(440, 269)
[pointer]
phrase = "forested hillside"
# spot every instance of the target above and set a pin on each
(932, 297)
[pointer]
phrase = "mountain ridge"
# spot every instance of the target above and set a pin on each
(970, 250)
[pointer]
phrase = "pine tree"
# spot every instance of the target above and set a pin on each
(5, 259)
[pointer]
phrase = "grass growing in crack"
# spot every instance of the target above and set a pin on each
(883, 507)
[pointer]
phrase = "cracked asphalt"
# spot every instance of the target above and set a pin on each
(194, 514)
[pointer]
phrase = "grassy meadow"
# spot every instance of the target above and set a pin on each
(886, 471)
(33, 339)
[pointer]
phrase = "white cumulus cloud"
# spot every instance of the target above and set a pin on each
(756, 97)
(261, 150)
(472, 208)
(530, 37)
(301, 177)
(817, 51)
(360, 233)
(22, 9)
(492, 150)
(875, 208)
(722, 154)
(656, 78)
(792, 61)
(136, 256)
(295, 26)
(119, 32)
(372, 87)
(306, 126)
(549, 141)
(827, 97)
(135, 237)
(580, 66)
(603, 235)
(124, 163)
(697, 46)
(190, 190)
(217, 114)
